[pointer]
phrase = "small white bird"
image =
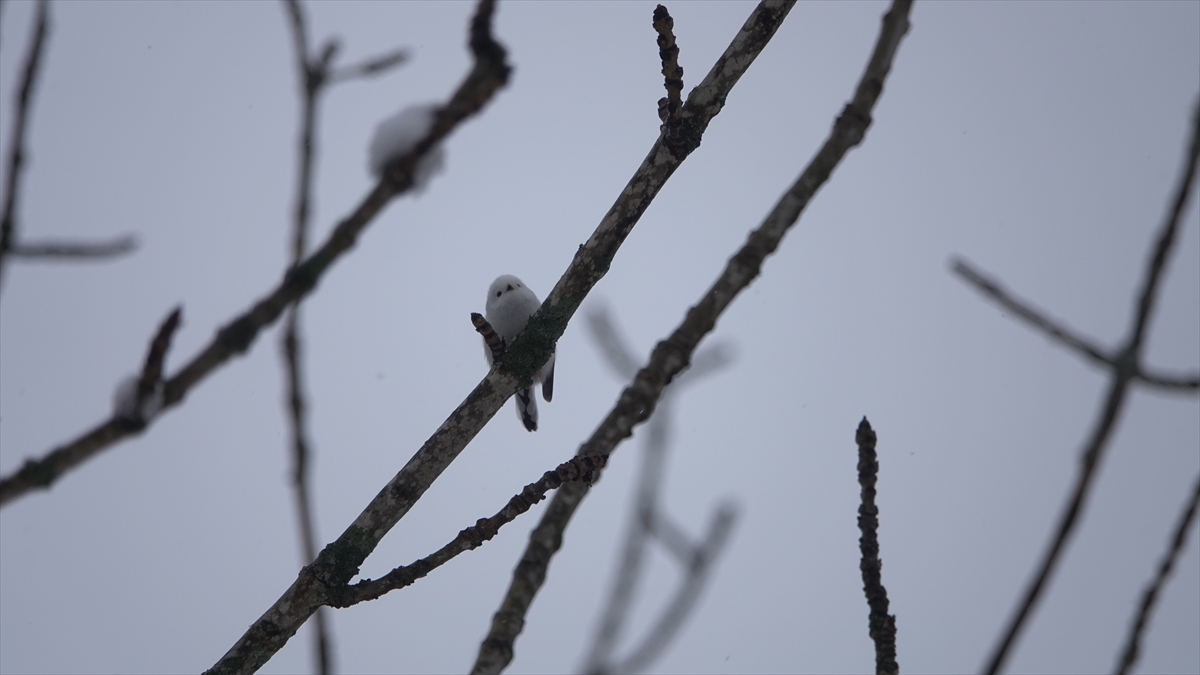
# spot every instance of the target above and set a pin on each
(509, 305)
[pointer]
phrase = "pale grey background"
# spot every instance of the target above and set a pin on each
(1038, 140)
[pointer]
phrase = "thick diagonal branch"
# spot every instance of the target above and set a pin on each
(671, 356)
(339, 561)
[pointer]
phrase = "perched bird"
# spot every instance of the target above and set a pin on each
(510, 303)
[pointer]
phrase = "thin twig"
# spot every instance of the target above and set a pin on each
(40, 474)
(480, 84)
(376, 65)
(582, 469)
(16, 147)
(1132, 650)
(1168, 381)
(686, 596)
(156, 356)
(629, 570)
(647, 518)
(668, 52)
(301, 485)
(671, 356)
(1033, 317)
(1125, 368)
(312, 77)
(99, 250)
(1167, 237)
(44, 250)
(881, 625)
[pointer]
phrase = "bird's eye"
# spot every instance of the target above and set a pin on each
(498, 293)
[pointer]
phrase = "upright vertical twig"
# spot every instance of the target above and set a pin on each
(670, 105)
(313, 75)
(881, 625)
(1125, 366)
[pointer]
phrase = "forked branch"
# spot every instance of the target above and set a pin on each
(1124, 365)
(672, 355)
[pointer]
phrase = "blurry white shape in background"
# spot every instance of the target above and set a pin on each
(397, 134)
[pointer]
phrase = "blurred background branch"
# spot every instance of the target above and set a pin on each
(648, 521)
(9, 244)
(1125, 366)
(128, 418)
(1133, 642)
(315, 72)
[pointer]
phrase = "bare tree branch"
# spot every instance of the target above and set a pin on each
(671, 356)
(1035, 318)
(688, 593)
(1169, 381)
(16, 147)
(1125, 367)
(1167, 237)
(152, 371)
(1129, 655)
(339, 561)
(72, 250)
(376, 65)
(668, 51)
(487, 76)
(40, 474)
(584, 469)
(647, 519)
(301, 485)
(312, 76)
(882, 626)
(9, 245)
(619, 356)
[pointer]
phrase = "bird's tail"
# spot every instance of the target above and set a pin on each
(527, 408)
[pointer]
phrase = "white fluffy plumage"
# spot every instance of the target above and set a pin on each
(509, 305)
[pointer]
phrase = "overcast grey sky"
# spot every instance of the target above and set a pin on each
(1038, 140)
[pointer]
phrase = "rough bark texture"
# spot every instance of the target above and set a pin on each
(671, 356)
(880, 624)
